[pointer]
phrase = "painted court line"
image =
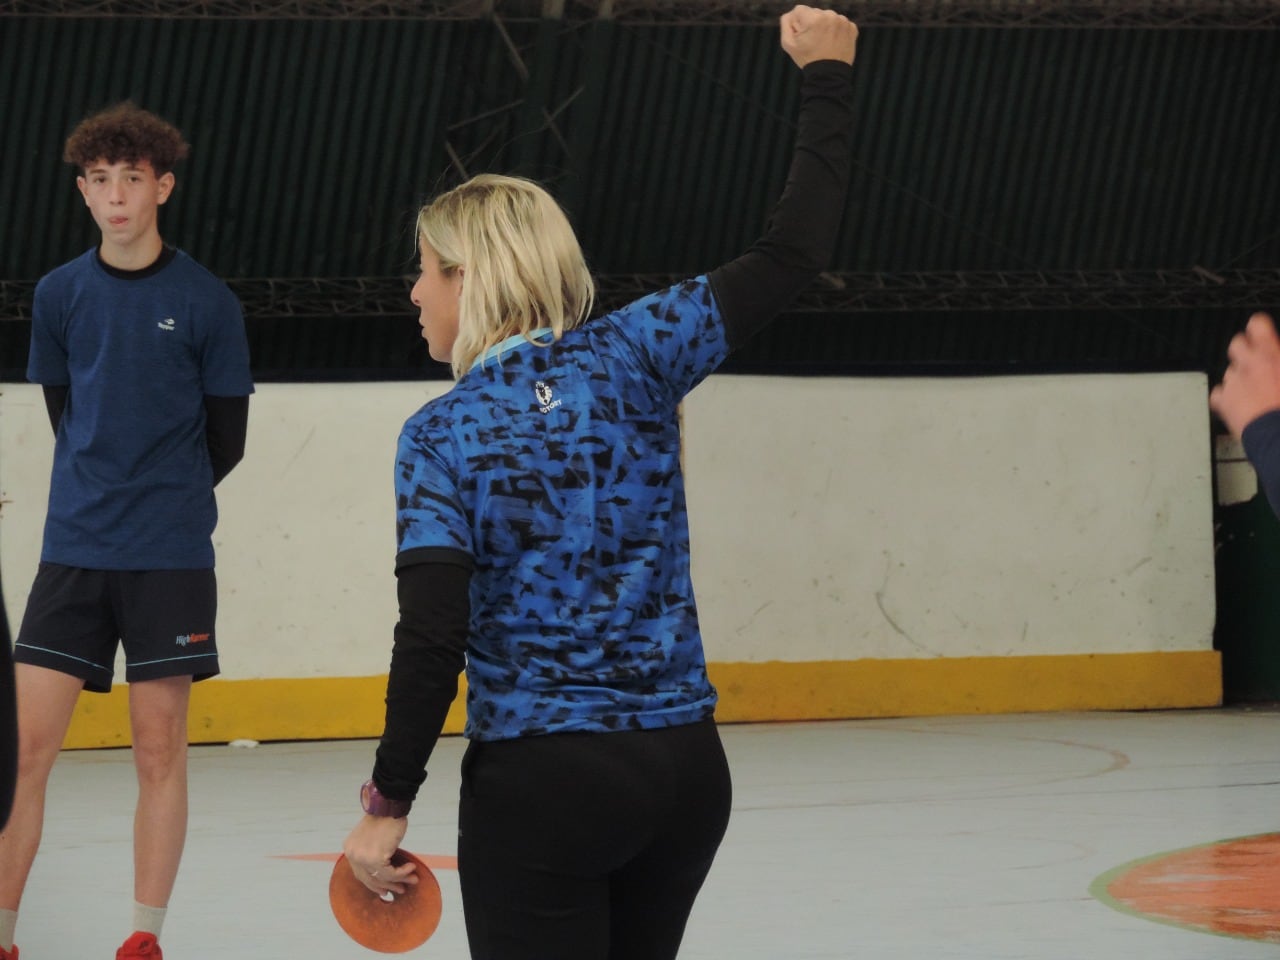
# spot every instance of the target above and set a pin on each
(434, 861)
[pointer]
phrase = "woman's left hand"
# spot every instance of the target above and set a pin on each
(368, 849)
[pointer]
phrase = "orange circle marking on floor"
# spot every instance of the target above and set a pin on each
(434, 861)
(1230, 888)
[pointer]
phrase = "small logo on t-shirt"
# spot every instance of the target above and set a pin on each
(188, 638)
(166, 324)
(543, 393)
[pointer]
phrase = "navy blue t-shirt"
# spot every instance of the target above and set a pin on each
(555, 466)
(132, 486)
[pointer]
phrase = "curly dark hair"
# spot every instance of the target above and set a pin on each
(125, 132)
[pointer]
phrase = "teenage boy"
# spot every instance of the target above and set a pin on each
(145, 367)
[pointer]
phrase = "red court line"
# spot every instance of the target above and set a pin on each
(1230, 888)
(434, 861)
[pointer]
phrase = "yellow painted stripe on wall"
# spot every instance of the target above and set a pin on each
(352, 707)
(843, 689)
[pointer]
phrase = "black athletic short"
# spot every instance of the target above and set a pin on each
(164, 618)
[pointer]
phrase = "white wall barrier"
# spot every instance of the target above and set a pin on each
(862, 547)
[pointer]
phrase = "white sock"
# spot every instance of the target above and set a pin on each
(8, 923)
(148, 919)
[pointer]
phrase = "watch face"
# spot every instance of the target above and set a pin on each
(376, 805)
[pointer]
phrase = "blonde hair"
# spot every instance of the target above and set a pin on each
(522, 265)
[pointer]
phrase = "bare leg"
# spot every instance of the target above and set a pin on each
(158, 715)
(46, 699)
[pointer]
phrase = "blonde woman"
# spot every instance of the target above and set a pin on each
(543, 543)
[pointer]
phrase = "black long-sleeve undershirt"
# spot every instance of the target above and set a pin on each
(434, 596)
(55, 401)
(429, 653)
(226, 425)
(801, 234)
(225, 428)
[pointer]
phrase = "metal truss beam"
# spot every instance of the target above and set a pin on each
(836, 292)
(1149, 14)
(274, 298)
(255, 9)
(325, 297)
(1252, 14)
(1196, 288)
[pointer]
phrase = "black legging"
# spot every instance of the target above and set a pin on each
(589, 846)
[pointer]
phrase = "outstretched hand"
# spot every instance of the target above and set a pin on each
(810, 34)
(1251, 385)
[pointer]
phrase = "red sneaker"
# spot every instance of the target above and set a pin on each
(141, 946)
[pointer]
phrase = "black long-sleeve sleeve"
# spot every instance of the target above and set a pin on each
(226, 424)
(429, 653)
(1261, 439)
(55, 401)
(800, 237)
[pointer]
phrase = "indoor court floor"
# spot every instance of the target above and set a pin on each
(1027, 837)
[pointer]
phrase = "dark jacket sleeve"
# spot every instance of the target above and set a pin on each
(429, 653)
(55, 401)
(1261, 440)
(801, 234)
(226, 424)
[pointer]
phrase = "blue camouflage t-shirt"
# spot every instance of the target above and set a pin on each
(555, 466)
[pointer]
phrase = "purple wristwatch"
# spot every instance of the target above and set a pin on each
(376, 805)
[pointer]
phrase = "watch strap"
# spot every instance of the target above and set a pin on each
(377, 805)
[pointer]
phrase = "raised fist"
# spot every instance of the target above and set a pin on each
(810, 34)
